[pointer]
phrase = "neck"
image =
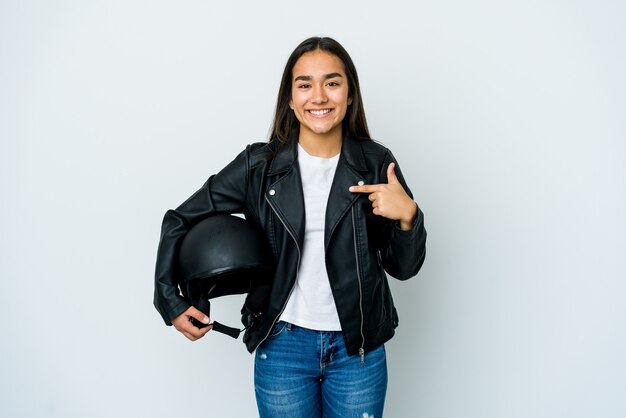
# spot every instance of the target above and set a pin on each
(321, 145)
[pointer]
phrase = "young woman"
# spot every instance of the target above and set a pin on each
(337, 214)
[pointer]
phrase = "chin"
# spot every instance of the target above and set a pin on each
(323, 130)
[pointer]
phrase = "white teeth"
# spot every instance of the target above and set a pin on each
(319, 112)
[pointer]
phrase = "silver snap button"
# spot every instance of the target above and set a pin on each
(361, 183)
(272, 192)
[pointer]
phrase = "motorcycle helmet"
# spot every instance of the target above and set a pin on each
(223, 255)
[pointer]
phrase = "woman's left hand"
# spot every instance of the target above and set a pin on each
(390, 200)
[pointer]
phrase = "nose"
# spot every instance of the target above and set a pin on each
(319, 95)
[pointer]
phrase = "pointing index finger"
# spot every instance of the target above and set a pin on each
(368, 188)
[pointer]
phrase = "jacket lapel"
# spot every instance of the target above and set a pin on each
(350, 170)
(285, 194)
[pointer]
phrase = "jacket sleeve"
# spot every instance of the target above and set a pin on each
(405, 251)
(223, 192)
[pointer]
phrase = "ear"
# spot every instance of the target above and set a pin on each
(291, 104)
(349, 101)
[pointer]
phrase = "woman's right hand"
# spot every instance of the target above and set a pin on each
(183, 323)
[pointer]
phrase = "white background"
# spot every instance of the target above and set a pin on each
(507, 117)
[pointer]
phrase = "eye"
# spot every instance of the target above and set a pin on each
(332, 84)
(303, 86)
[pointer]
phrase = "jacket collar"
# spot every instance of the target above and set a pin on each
(286, 154)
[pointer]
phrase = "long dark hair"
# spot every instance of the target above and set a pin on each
(285, 121)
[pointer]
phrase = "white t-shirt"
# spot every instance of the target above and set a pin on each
(311, 304)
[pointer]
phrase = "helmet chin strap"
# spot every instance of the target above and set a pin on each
(204, 306)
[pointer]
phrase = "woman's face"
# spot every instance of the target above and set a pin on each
(319, 93)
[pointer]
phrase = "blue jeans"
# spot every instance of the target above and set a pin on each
(299, 372)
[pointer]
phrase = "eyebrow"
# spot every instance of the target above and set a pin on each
(309, 78)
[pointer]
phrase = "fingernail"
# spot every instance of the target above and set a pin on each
(351, 188)
(206, 320)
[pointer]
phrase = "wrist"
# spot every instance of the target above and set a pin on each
(406, 223)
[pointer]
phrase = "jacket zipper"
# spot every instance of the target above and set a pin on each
(358, 275)
(297, 270)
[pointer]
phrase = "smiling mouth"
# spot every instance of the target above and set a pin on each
(319, 112)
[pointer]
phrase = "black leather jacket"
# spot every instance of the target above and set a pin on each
(263, 183)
